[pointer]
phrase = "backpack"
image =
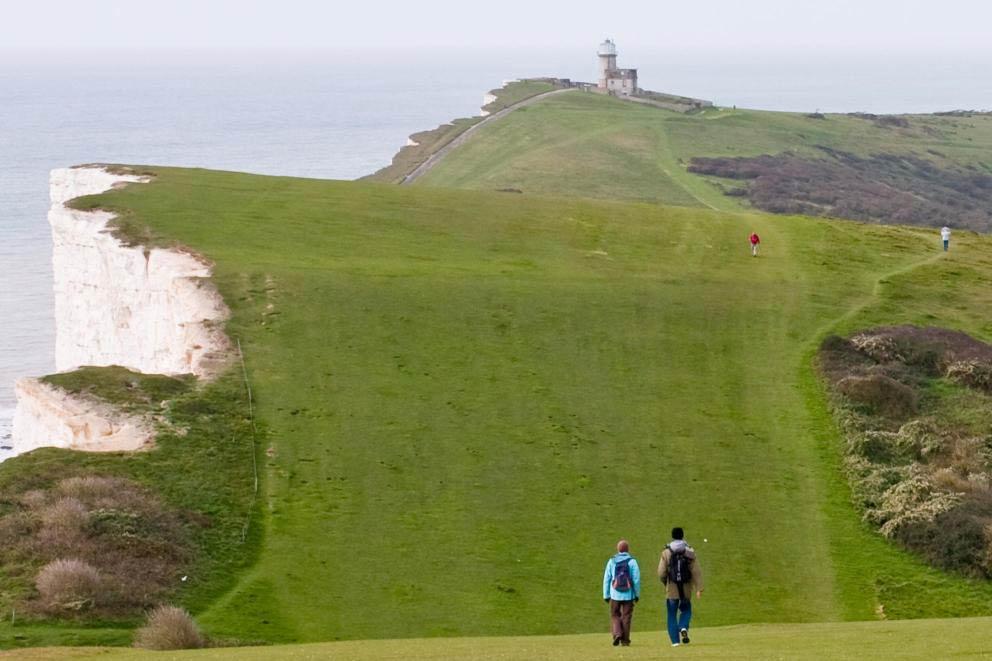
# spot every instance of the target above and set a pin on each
(622, 582)
(679, 570)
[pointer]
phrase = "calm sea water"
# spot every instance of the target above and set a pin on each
(343, 115)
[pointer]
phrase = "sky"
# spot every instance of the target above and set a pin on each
(766, 25)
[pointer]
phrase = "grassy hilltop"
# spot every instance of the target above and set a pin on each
(915, 169)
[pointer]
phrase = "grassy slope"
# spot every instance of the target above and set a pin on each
(428, 142)
(919, 639)
(584, 144)
(470, 396)
(515, 92)
(206, 471)
(591, 145)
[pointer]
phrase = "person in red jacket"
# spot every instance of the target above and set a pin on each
(755, 242)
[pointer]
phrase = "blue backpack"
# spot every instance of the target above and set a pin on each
(622, 582)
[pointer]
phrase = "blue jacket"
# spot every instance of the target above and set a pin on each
(635, 574)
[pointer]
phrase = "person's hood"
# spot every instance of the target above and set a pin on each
(679, 546)
(621, 556)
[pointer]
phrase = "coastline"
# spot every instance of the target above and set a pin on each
(152, 310)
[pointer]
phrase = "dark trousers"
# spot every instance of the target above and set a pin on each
(679, 615)
(621, 613)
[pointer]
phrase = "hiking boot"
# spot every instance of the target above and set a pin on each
(684, 634)
(616, 640)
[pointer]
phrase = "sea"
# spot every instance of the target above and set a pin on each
(343, 114)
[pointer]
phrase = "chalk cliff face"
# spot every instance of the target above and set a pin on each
(488, 98)
(150, 310)
(47, 416)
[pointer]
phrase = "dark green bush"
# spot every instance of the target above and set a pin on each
(880, 395)
(954, 540)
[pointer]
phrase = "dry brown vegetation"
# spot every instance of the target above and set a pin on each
(69, 585)
(915, 406)
(95, 545)
(887, 188)
(169, 628)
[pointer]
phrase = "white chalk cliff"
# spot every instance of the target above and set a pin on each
(150, 310)
(488, 98)
(47, 416)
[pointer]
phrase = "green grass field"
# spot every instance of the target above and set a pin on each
(918, 639)
(597, 146)
(466, 397)
(470, 396)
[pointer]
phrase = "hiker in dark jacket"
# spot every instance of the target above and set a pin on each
(621, 590)
(680, 571)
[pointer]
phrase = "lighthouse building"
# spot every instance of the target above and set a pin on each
(621, 82)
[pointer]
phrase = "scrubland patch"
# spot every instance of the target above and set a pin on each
(890, 188)
(915, 406)
(97, 545)
(89, 538)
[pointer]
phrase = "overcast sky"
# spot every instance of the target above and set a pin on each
(905, 25)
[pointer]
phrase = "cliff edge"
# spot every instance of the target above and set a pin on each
(151, 310)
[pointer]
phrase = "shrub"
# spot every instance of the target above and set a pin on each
(876, 446)
(880, 348)
(835, 343)
(69, 584)
(924, 354)
(880, 394)
(838, 358)
(169, 628)
(911, 502)
(971, 373)
(869, 481)
(954, 540)
(65, 515)
(921, 439)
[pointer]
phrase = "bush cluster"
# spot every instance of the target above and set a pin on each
(97, 545)
(888, 188)
(924, 484)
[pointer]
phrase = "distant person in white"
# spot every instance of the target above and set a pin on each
(945, 236)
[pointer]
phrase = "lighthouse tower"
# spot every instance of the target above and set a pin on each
(607, 62)
(614, 81)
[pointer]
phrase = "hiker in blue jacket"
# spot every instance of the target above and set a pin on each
(621, 590)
